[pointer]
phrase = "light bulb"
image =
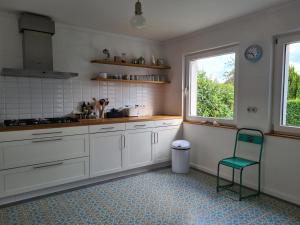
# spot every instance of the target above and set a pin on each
(138, 21)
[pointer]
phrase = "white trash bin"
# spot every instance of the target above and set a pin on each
(180, 156)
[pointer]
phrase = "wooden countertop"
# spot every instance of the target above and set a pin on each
(86, 122)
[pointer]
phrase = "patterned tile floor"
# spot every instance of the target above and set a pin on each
(158, 197)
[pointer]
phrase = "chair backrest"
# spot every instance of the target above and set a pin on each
(256, 137)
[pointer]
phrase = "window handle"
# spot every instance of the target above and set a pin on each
(186, 91)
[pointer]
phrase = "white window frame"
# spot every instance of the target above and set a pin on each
(281, 82)
(205, 54)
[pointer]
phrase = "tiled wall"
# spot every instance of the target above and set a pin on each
(41, 98)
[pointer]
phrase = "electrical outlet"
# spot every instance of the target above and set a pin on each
(251, 109)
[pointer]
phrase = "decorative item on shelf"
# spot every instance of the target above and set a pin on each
(141, 60)
(102, 75)
(123, 58)
(153, 60)
(254, 53)
(138, 20)
(160, 62)
(135, 61)
(106, 53)
(117, 59)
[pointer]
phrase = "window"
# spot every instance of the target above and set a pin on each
(211, 85)
(287, 84)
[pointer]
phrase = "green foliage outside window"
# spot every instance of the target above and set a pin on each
(214, 99)
(293, 102)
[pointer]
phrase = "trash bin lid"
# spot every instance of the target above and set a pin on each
(181, 145)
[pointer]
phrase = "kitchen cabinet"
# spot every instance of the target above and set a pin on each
(138, 147)
(106, 152)
(39, 150)
(163, 138)
(29, 178)
(42, 158)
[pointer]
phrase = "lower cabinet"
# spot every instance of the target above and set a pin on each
(32, 164)
(106, 152)
(29, 178)
(138, 147)
(163, 137)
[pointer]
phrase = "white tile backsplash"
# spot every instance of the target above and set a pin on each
(37, 98)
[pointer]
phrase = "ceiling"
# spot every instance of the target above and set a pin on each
(166, 19)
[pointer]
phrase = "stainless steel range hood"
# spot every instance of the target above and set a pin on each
(37, 49)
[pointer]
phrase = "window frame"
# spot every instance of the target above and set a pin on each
(234, 48)
(280, 82)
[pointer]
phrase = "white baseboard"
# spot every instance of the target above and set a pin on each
(78, 184)
(264, 189)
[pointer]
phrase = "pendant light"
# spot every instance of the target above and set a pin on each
(138, 20)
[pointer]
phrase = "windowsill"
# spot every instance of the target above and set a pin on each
(284, 135)
(219, 125)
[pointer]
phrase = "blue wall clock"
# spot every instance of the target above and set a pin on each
(254, 53)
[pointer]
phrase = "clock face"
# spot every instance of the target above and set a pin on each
(254, 53)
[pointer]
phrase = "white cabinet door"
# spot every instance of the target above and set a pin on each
(138, 148)
(23, 179)
(162, 142)
(106, 152)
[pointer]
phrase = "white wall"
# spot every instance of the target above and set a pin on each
(73, 48)
(254, 89)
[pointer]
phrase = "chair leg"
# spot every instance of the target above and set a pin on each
(218, 176)
(259, 171)
(241, 184)
(232, 177)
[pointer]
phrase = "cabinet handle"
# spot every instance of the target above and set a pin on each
(107, 128)
(56, 132)
(123, 140)
(140, 125)
(156, 137)
(48, 165)
(152, 138)
(167, 123)
(47, 140)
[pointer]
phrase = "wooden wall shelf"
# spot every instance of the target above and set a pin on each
(131, 81)
(100, 61)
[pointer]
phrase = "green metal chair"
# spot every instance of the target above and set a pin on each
(238, 163)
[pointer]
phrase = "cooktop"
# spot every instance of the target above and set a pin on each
(30, 122)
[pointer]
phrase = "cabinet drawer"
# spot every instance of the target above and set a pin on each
(40, 150)
(139, 125)
(41, 133)
(30, 178)
(165, 123)
(107, 128)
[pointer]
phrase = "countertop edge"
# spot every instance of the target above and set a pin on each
(90, 122)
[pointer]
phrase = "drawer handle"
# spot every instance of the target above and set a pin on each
(140, 125)
(47, 140)
(48, 165)
(167, 123)
(56, 132)
(107, 128)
